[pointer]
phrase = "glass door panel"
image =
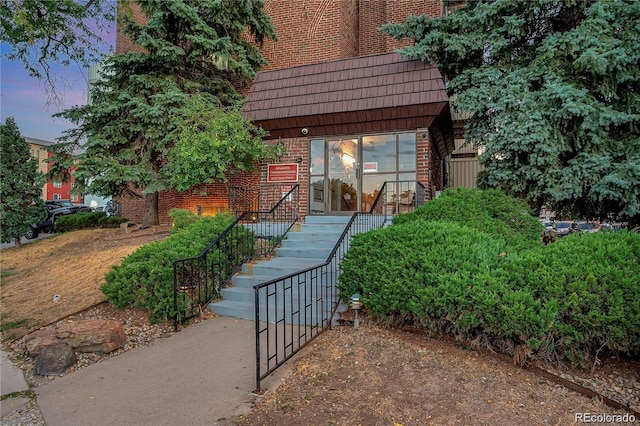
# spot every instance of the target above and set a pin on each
(343, 176)
(316, 177)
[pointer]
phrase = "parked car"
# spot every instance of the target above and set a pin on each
(55, 209)
(73, 208)
(588, 227)
(562, 227)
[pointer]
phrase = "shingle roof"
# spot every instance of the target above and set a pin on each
(384, 92)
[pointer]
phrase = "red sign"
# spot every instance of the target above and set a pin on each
(282, 172)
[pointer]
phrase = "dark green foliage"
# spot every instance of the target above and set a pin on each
(562, 302)
(73, 222)
(489, 211)
(584, 295)
(554, 88)
(145, 278)
(395, 268)
(20, 185)
(181, 218)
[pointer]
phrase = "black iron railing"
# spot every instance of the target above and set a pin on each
(254, 233)
(292, 310)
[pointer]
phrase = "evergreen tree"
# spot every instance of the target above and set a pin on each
(190, 51)
(554, 91)
(20, 185)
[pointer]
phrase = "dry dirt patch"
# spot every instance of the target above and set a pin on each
(376, 376)
(69, 267)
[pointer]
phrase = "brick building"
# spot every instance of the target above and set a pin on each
(52, 189)
(351, 113)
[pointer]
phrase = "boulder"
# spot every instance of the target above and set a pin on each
(55, 359)
(93, 335)
(37, 340)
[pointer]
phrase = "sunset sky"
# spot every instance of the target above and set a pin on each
(25, 99)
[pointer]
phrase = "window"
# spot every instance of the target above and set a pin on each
(57, 184)
(74, 198)
(57, 197)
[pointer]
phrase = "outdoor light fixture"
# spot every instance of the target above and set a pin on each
(356, 305)
(348, 159)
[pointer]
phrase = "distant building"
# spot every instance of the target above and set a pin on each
(52, 190)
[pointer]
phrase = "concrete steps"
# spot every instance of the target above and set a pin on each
(306, 245)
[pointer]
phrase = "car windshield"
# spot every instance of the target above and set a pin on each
(60, 203)
(562, 225)
(586, 226)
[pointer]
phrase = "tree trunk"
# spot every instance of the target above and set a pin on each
(150, 216)
(17, 241)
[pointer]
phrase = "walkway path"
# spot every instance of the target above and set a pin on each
(202, 375)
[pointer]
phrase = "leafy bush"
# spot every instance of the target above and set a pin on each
(73, 222)
(181, 218)
(111, 221)
(585, 292)
(145, 278)
(402, 264)
(488, 211)
(562, 302)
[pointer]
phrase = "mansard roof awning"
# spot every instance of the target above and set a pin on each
(365, 94)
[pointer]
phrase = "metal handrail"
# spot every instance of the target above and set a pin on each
(312, 295)
(197, 280)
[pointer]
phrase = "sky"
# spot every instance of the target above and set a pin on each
(25, 98)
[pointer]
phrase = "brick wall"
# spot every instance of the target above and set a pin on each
(430, 170)
(374, 13)
(297, 151)
(207, 199)
(310, 31)
(314, 31)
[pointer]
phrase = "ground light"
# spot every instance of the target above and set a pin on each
(356, 305)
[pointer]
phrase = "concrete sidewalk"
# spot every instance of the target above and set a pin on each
(202, 375)
(11, 381)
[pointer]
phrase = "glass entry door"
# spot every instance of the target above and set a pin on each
(343, 176)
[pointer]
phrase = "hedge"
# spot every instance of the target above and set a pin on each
(145, 278)
(470, 264)
(489, 211)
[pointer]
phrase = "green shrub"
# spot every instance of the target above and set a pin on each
(563, 302)
(586, 290)
(181, 218)
(488, 211)
(145, 278)
(396, 268)
(73, 222)
(111, 221)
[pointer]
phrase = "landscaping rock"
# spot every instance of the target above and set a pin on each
(93, 335)
(55, 359)
(37, 340)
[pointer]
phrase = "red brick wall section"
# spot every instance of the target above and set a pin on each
(296, 148)
(349, 42)
(207, 199)
(123, 42)
(430, 166)
(374, 13)
(310, 31)
(425, 153)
